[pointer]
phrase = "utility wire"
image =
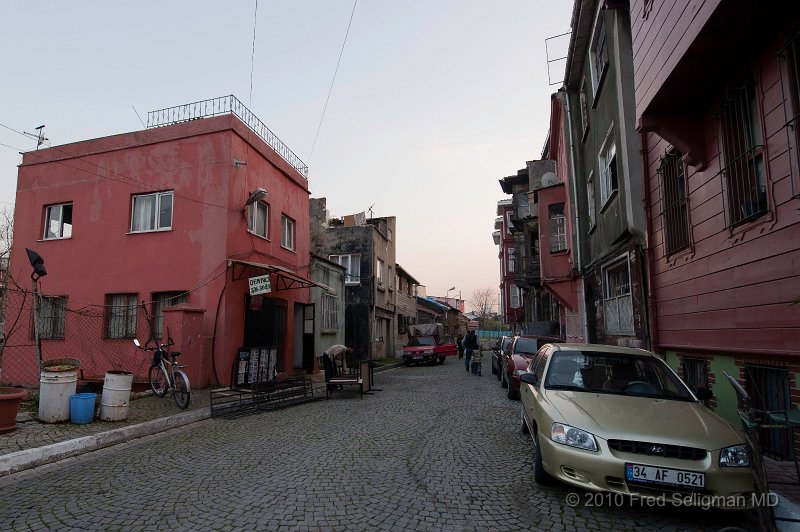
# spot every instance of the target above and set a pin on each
(133, 182)
(253, 54)
(332, 82)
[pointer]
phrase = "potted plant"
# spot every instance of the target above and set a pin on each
(10, 399)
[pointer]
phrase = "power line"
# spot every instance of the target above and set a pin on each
(253, 54)
(332, 81)
(133, 182)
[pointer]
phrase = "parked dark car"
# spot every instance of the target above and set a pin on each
(497, 353)
(515, 360)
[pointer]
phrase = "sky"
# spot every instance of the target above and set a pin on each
(434, 101)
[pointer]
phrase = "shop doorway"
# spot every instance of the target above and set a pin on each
(265, 326)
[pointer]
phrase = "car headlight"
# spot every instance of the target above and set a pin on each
(561, 433)
(427, 352)
(518, 372)
(735, 456)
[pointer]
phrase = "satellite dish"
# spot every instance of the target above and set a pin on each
(549, 179)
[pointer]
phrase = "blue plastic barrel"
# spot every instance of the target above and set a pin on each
(81, 408)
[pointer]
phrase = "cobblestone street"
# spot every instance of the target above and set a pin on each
(437, 448)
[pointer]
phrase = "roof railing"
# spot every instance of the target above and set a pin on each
(221, 106)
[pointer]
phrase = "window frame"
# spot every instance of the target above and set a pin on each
(620, 264)
(287, 232)
(512, 260)
(742, 153)
(48, 219)
(122, 315)
(252, 218)
(514, 293)
(599, 40)
(557, 228)
(350, 278)
(157, 308)
(591, 202)
(156, 212)
(330, 314)
(674, 202)
(380, 277)
(609, 184)
(54, 316)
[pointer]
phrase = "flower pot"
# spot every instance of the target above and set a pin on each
(10, 399)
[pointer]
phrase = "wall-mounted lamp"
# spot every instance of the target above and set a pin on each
(237, 163)
(256, 195)
(38, 264)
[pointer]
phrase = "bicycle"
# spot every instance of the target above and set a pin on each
(162, 379)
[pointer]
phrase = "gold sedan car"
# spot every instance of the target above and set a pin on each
(616, 419)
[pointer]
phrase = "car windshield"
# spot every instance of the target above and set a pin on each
(417, 341)
(621, 374)
(526, 345)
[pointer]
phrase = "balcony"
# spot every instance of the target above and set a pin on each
(528, 271)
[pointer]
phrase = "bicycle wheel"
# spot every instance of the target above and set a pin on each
(158, 380)
(182, 394)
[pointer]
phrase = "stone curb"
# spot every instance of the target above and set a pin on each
(30, 458)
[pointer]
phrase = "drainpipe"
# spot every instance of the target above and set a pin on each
(573, 187)
(649, 259)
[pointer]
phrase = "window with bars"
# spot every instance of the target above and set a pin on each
(558, 228)
(330, 314)
(695, 372)
(769, 390)
(674, 213)
(121, 312)
(741, 150)
(617, 300)
(52, 317)
(162, 300)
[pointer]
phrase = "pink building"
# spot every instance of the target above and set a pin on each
(718, 115)
(173, 215)
(511, 306)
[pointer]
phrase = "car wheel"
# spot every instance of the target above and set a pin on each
(503, 381)
(539, 474)
(406, 362)
(523, 426)
(499, 371)
(441, 360)
(494, 368)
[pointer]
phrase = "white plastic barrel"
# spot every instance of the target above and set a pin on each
(116, 395)
(55, 388)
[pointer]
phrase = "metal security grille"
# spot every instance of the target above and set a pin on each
(121, 315)
(769, 389)
(618, 304)
(673, 184)
(558, 228)
(742, 155)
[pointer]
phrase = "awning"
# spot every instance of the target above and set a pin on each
(285, 279)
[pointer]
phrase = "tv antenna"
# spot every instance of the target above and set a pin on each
(370, 210)
(40, 138)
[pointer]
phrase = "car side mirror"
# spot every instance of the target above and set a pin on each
(703, 394)
(529, 378)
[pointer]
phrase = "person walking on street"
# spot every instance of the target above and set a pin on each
(470, 345)
(460, 345)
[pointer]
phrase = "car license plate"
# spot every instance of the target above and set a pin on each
(662, 475)
(418, 357)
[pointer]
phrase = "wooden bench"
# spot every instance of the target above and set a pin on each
(358, 376)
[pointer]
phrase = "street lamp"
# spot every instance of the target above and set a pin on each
(447, 302)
